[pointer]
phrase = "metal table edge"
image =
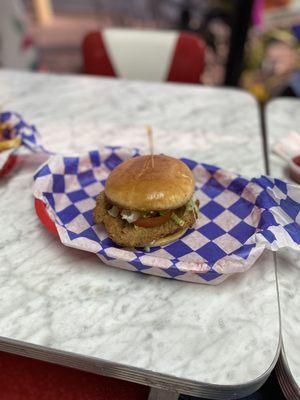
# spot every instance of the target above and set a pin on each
(133, 374)
(285, 378)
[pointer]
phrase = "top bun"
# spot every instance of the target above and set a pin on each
(143, 184)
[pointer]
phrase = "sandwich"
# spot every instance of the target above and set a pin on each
(147, 201)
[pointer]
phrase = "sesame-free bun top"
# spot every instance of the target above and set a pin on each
(150, 183)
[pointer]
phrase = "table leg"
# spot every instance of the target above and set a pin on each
(239, 30)
(161, 394)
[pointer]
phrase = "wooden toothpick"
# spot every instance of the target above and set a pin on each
(151, 146)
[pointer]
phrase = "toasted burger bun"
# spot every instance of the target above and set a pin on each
(169, 239)
(150, 183)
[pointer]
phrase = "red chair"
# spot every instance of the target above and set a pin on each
(23, 378)
(142, 54)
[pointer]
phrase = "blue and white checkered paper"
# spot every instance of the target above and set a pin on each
(239, 218)
(28, 134)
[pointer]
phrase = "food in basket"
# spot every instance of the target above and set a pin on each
(148, 201)
(8, 139)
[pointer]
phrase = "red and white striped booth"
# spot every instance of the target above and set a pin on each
(149, 55)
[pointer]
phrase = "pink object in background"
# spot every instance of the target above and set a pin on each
(257, 12)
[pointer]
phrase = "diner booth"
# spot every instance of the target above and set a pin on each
(150, 200)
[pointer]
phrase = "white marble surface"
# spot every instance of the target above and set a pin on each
(65, 299)
(283, 116)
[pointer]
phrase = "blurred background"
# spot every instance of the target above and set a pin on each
(253, 44)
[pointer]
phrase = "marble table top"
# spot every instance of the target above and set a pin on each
(63, 305)
(283, 116)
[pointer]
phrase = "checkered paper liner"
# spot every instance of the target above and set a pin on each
(239, 217)
(28, 134)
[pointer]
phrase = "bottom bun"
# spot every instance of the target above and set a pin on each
(168, 239)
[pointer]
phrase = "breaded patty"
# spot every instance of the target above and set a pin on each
(125, 234)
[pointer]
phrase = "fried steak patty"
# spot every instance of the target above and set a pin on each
(125, 234)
